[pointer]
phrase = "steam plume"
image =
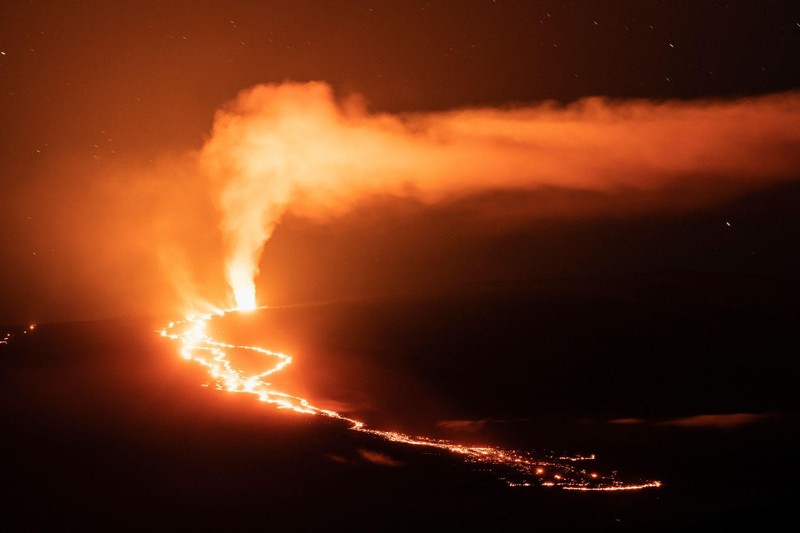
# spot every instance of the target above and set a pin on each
(295, 147)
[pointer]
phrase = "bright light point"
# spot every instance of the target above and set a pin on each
(244, 289)
(245, 300)
(247, 307)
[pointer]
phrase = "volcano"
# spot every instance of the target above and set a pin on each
(106, 424)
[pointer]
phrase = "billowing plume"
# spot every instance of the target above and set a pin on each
(296, 147)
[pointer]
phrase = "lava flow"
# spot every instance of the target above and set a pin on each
(516, 468)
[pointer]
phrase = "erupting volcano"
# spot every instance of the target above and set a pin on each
(452, 266)
(294, 148)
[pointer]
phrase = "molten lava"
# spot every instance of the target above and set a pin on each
(516, 468)
(244, 291)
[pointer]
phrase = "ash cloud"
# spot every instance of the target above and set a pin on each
(153, 233)
(294, 148)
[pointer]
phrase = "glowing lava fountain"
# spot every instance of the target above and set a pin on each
(516, 468)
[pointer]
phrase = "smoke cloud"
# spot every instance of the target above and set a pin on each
(295, 147)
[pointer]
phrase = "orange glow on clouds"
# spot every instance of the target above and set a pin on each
(186, 229)
(719, 421)
(294, 147)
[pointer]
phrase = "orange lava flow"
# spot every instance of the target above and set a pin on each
(516, 468)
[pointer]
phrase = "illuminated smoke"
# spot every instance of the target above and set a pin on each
(295, 147)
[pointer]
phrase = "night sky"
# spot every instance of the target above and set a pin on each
(96, 95)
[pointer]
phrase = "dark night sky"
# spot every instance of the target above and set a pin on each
(90, 88)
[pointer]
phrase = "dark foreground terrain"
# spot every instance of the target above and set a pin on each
(103, 423)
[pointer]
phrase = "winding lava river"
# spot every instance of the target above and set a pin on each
(516, 468)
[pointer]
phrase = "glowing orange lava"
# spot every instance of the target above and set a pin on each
(244, 290)
(516, 468)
